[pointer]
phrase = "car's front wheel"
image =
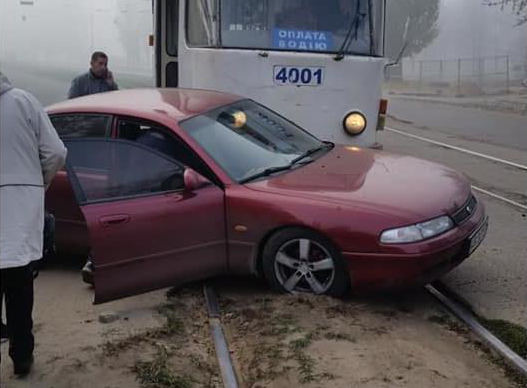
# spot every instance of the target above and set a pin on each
(298, 260)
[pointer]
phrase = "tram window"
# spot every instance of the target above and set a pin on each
(201, 27)
(172, 27)
(300, 25)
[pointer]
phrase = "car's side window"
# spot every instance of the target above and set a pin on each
(82, 125)
(130, 170)
(161, 139)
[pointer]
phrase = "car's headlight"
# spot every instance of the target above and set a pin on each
(417, 232)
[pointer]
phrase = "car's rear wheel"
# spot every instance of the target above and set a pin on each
(298, 260)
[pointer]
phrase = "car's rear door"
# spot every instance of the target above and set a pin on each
(147, 231)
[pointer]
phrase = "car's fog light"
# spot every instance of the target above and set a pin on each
(354, 123)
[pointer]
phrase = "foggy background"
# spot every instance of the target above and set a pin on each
(64, 33)
(61, 34)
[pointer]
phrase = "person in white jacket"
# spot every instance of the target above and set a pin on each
(31, 153)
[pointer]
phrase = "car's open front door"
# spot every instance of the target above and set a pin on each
(147, 231)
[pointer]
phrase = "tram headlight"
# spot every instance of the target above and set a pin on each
(354, 123)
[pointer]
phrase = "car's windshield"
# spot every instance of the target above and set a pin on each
(245, 139)
(348, 26)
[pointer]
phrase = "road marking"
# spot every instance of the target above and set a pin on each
(500, 197)
(506, 162)
(466, 316)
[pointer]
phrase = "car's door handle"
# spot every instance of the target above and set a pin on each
(115, 219)
(175, 196)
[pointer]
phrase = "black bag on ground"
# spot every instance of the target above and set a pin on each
(49, 235)
(49, 242)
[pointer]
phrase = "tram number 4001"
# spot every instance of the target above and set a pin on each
(291, 75)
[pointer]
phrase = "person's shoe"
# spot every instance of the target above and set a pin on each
(87, 273)
(23, 368)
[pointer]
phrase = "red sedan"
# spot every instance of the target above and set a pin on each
(176, 185)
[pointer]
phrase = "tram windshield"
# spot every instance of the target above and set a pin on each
(329, 26)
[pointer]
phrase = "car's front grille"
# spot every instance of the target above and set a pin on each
(464, 213)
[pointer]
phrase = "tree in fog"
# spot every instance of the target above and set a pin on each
(519, 7)
(417, 19)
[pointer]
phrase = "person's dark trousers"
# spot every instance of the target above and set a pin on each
(17, 286)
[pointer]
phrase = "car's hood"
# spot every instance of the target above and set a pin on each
(397, 184)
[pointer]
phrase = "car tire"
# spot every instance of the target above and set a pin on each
(300, 260)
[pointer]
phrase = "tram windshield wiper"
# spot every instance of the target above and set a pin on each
(354, 25)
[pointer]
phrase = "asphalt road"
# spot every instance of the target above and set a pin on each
(47, 88)
(493, 280)
(505, 129)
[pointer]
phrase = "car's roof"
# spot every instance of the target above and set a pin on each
(152, 103)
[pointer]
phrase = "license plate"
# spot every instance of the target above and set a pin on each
(300, 76)
(477, 238)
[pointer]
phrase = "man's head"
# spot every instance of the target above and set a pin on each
(99, 63)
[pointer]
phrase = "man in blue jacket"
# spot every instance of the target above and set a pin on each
(97, 80)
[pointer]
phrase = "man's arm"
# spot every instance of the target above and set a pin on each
(51, 149)
(111, 82)
(74, 89)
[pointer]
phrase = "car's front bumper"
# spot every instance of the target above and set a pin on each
(376, 271)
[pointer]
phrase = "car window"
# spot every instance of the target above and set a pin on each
(127, 169)
(82, 125)
(161, 139)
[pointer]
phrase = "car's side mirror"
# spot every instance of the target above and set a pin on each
(193, 180)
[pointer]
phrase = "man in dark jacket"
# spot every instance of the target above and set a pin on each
(97, 80)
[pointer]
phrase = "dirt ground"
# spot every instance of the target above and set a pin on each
(402, 340)
(162, 339)
(155, 338)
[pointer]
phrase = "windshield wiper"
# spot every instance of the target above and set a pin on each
(273, 170)
(266, 172)
(310, 152)
(347, 40)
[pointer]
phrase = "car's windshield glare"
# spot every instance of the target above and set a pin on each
(245, 138)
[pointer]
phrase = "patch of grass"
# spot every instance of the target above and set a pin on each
(156, 373)
(449, 323)
(439, 319)
(281, 325)
(306, 364)
(301, 343)
(265, 364)
(173, 326)
(514, 336)
(265, 304)
(339, 337)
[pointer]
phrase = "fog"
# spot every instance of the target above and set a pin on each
(469, 29)
(63, 33)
